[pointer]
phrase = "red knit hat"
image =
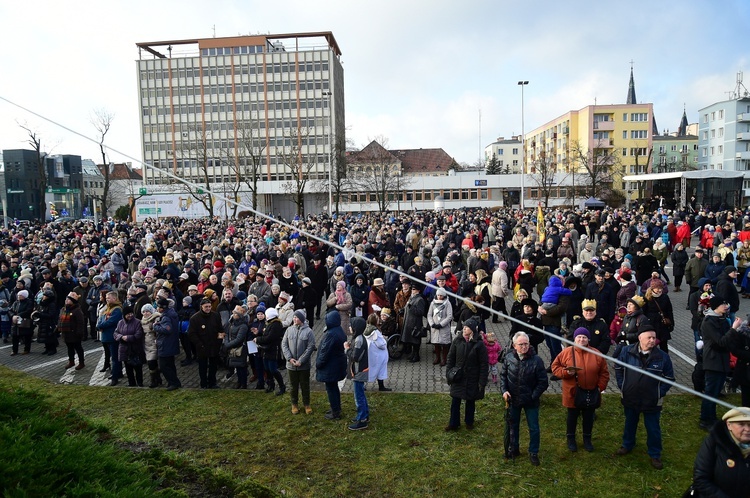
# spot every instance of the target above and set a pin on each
(218, 264)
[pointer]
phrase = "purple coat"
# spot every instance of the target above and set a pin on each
(129, 337)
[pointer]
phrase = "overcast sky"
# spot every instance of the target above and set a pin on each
(417, 72)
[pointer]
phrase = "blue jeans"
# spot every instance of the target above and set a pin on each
(360, 400)
(334, 396)
(554, 345)
(714, 383)
(455, 420)
(653, 431)
(532, 420)
(114, 348)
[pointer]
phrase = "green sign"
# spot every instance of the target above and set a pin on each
(148, 211)
(199, 191)
(63, 190)
(142, 191)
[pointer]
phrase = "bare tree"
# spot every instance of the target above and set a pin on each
(35, 141)
(340, 179)
(638, 153)
(251, 148)
(598, 168)
(199, 166)
(299, 165)
(377, 171)
(544, 169)
(102, 121)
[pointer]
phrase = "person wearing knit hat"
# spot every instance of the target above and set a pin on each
(642, 394)
(71, 325)
(270, 340)
(468, 352)
(298, 346)
(582, 373)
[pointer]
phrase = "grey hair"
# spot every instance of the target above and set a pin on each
(519, 335)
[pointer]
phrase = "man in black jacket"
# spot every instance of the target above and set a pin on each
(523, 380)
(206, 333)
(717, 334)
(728, 291)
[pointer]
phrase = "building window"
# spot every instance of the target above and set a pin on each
(705, 118)
(721, 149)
(713, 116)
(624, 134)
(499, 152)
(635, 134)
(721, 132)
(624, 152)
(455, 194)
(515, 163)
(625, 116)
(721, 113)
(713, 133)
(473, 194)
(484, 194)
(515, 151)
(534, 193)
(705, 134)
(674, 148)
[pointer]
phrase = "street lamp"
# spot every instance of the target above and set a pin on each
(330, 156)
(523, 144)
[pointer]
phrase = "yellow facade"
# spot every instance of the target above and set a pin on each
(625, 130)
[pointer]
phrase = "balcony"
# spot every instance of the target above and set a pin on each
(604, 125)
(603, 143)
(745, 135)
(743, 155)
(743, 117)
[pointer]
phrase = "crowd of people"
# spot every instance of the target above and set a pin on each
(245, 294)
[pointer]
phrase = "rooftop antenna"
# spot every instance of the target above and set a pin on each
(740, 90)
(214, 30)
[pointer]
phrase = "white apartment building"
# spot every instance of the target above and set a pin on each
(506, 152)
(724, 137)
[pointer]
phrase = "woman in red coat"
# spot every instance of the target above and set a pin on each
(577, 366)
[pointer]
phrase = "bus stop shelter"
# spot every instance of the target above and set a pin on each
(712, 188)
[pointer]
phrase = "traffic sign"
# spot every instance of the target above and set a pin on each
(143, 191)
(63, 190)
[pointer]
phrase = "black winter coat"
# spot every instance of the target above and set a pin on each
(203, 331)
(655, 308)
(525, 379)
(725, 288)
(599, 330)
(739, 346)
(475, 367)
(717, 335)
(270, 341)
(720, 470)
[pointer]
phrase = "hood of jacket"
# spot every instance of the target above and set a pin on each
(357, 324)
(333, 319)
(555, 282)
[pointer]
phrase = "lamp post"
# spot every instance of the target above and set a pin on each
(522, 84)
(330, 156)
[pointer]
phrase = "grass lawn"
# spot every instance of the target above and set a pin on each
(94, 441)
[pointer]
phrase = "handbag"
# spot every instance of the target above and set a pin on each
(133, 360)
(456, 372)
(586, 398)
(664, 320)
(25, 323)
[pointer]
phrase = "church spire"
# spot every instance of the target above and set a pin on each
(682, 129)
(631, 87)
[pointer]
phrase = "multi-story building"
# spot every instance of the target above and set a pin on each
(507, 153)
(212, 108)
(676, 151)
(92, 186)
(613, 138)
(23, 184)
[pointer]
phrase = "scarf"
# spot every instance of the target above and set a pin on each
(64, 323)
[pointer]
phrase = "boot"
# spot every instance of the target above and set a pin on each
(587, 445)
(381, 386)
(155, 379)
(572, 445)
(105, 368)
(436, 350)
(444, 349)
(677, 289)
(415, 356)
(70, 364)
(280, 382)
(81, 365)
